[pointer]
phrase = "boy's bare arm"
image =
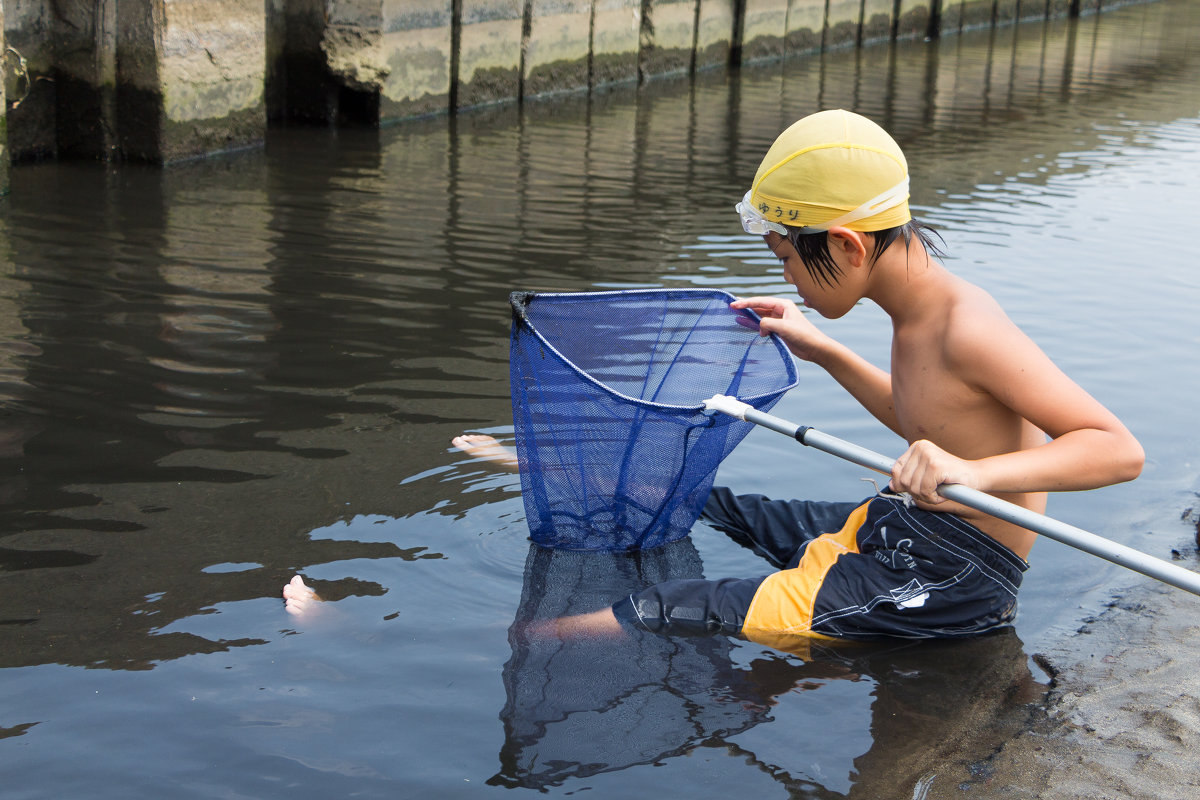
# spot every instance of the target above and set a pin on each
(1089, 446)
(867, 383)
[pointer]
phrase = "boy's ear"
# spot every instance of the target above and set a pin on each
(851, 244)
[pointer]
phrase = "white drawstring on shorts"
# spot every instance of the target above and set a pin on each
(903, 497)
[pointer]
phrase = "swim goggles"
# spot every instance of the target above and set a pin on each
(755, 223)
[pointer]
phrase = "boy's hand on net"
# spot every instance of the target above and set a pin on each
(784, 319)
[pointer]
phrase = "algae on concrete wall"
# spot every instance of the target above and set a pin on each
(161, 80)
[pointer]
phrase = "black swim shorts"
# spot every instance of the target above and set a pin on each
(867, 570)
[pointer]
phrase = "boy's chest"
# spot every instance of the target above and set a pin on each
(930, 398)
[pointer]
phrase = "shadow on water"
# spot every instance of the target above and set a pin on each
(881, 716)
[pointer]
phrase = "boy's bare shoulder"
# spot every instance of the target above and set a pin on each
(977, 331)
(970, 303)
(987, 352)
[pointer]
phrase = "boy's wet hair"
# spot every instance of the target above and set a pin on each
(813, 248)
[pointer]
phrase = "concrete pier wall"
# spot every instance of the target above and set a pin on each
(29, 72)
(557, 48)
(209, 94)
(489, 67)
(164, 80)
(616, 41)
(413, 58)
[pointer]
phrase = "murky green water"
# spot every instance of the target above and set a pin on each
(219, 375)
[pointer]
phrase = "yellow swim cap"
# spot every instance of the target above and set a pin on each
(833, 168)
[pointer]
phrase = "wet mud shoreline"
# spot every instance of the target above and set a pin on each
(1121, 719)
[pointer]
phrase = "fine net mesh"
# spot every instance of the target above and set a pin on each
(616, 451)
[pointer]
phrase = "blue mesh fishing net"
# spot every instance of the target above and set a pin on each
(616, 451)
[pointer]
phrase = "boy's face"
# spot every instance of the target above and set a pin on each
(830, 302)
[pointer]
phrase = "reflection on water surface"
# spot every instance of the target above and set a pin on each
(879, 716)
(215, 376)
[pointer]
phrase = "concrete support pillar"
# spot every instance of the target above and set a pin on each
(764, 25)
(616, 33)
(212, 77)
(367, 61)
(413, 61)
(556, 53)
(191, 77)
(352, 46)
(154, 80)
(85, 44)
(29, 80)
(489, 51)
(299, 85)
(667, 37)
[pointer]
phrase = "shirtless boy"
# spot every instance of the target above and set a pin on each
(977, 400)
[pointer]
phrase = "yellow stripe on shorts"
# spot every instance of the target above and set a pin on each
(784, 601)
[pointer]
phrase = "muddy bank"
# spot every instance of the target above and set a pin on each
(1122, 718)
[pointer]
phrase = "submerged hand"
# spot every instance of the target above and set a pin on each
(784, 319)
(925, 466)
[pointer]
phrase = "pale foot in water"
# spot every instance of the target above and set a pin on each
(299, 599)
(485, 447)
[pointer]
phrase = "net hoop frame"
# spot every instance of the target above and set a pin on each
(519, 305)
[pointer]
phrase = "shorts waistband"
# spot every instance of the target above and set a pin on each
(949, 531)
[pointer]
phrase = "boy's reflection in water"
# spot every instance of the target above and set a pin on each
(877, 717)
